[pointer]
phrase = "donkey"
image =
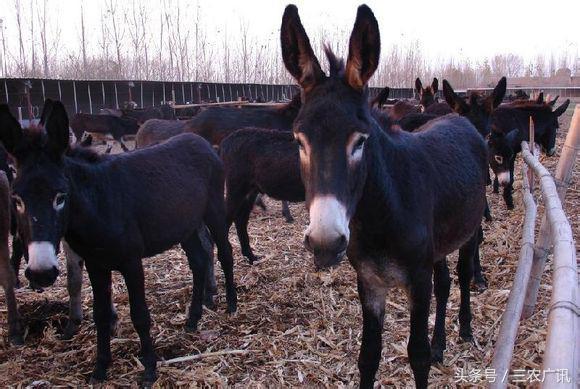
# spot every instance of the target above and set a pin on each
(510, 126)
(427, 96)
(113, 211)
(381, 98)
(155, 131)
(363, 195)
(258, 161)
(216, 123)
(117, 127)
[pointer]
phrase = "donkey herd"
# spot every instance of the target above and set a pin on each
(394, 190)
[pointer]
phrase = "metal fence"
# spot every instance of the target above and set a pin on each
(91, 96)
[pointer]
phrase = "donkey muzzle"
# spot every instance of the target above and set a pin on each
(328, 233)
(504, 178)
(42, 269)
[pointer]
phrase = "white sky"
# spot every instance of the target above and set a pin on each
(445, 28)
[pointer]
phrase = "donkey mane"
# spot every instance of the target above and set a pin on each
(335, 64)
(86, 154)
(532, 106)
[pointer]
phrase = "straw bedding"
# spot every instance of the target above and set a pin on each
(294, 326)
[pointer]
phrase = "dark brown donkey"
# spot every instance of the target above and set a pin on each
(216, 123)
(7, 278)
(396, 202)
(427, 95)
(117, 127)
(113, 211)
(258, 161)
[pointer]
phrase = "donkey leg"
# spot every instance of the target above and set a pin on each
(215, 219)
(74, 283)
(260, 202)
(210, 283)
(286, 212)
(495, 185)
(7, 280)
(135, 281)
(16, 258)
(442, 285)
(241, 221)
(465, 274)
(101, 285)
(487, 211)
(479, 280)
(418, 347)
(372, 298)
(198, 263)
(508, 190)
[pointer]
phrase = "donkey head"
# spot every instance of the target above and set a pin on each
(548, 139)
(332, 128)
(40, 188)
(426, 95)
(476, 108)
(501, 153)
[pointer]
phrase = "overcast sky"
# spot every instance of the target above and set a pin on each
(444, 28)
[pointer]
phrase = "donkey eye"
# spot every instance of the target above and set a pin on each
(59, 200)
(498, 159)
(359, 143)
(18, 203)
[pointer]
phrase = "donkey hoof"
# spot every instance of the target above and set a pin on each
(479, 286)
(98, 377)
(232, 307)
(70, 330)
(252, 258)
(17, 284)
(436, 355)
(289, 219)
(190, 327)
(17, 340)
(148, 378)
(467, 338)
(209, 303)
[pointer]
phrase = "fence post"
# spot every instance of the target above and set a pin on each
(532, 143)
(510, 320)
(562, 177)
(90, 100)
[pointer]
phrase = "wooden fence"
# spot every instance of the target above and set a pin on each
(561, 363)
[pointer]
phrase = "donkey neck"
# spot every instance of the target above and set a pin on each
(381, 198)
(93, 202)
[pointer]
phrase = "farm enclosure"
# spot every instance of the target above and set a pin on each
(294, 326)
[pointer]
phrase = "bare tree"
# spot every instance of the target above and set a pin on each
(22, 59)
(83, 38)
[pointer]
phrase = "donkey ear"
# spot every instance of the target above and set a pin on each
(455, 102)
(418, 86)
(561, 109)
(435, 85)
(46, 110)
(540, 98)
(10, 130)
(57, 127)
(498, 93)
(297, 52)
(552, 103)
(364, 48)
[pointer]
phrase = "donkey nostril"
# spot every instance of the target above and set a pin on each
(341, 243)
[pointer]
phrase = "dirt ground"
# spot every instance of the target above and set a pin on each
(294, 326)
